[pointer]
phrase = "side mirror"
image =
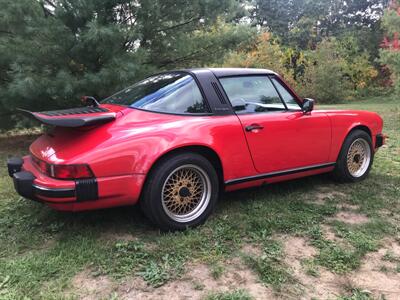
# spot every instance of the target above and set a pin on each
(308, 105)
(89, 100)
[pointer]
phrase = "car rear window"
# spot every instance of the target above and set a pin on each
(174, 92)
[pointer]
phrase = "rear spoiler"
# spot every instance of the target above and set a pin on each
(75, 117)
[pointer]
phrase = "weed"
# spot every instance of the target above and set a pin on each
(217, 270)
(310, 267)
(157, 273)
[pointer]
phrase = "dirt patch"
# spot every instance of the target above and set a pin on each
(326, 286)
(87, 287)
(198, 283)
(297, 248)
(252, 250)
(371, 277)
(328, 233)
(393, 246)
(118, 236)
(393, 217)
(326, 194)
(346, 206)
(350, 217)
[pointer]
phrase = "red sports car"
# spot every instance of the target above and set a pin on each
(175, 140)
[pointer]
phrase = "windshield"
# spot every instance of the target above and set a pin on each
(174, 92)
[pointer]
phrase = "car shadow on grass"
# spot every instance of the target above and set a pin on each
(130, 219)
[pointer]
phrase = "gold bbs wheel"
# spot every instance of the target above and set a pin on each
(358, 157)
(186, 193)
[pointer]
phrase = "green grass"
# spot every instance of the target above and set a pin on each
(41, 250)
(269, 265)
(235, 295)
(333, 256)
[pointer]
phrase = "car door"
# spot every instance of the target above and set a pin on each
(279, 135)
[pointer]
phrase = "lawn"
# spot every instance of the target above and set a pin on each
(305, 238)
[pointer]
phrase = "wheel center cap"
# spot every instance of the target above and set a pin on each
(357, 158)
(184, 192)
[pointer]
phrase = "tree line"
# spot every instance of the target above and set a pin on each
(54, 51)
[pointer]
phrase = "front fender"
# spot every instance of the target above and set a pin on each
(345, 121)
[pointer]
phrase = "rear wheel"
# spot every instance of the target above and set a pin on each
(180, 192)
(355, 158)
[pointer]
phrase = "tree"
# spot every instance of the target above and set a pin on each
(390, 54)
(53, 51)
(325, 78)
(263, 53)
(303, 23)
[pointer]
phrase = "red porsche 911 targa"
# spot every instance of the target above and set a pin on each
(173, 141)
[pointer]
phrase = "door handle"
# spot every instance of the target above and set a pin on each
(254, 127)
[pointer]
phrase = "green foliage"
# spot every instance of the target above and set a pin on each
(263, 53)
(358, 68)
(330, 46)
(336, 70)
(52, 52)
(324, 78)
(391, 57)
(392, 60)
(391, 22)
(304, 23)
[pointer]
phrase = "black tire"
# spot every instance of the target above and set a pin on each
(342, 172)
(155, 208)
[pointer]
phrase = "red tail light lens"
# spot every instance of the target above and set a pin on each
(71, 171)
(63, 171)
(41, 165)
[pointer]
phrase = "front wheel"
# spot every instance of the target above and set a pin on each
(355, 158)
(180, 192)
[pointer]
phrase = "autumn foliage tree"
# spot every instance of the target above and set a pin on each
(390, 52)
(264, 52)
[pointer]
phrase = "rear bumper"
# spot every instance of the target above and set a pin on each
(73, 195)
(24, 185)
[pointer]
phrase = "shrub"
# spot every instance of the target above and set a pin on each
(324, 78)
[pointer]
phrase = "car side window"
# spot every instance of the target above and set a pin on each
(252, 94)
(174, 92)
(287, 97)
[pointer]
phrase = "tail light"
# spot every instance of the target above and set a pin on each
(63, 171)
(70, 171)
